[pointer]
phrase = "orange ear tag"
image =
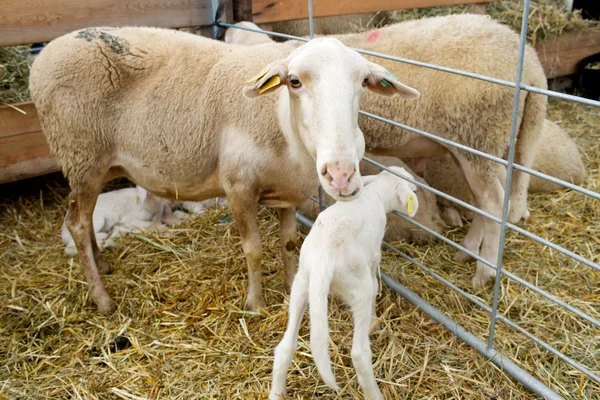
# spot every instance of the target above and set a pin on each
(258, 76)
(274, 81)
(410, 205)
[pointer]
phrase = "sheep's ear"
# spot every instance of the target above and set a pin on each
(408, 199)
(272, 77)
(382, 81)
(368, 179)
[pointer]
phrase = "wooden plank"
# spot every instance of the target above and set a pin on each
(266, 11)
(33, 21)
(25, 156)
(559, 56)
(242, 10)
(13, 122)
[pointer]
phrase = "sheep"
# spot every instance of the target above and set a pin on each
(342, 254)
(123, 211)
(471, 112)
(397, 228)
(103, 94)
(557, 155)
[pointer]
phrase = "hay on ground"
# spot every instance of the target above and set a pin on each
(181, 332)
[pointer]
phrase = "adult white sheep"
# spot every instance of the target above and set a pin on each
(341, 254)
(165, 109)
(468, 111)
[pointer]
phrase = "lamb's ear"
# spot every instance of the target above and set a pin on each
(141, 194)
(272, 77)
(382, 81)
(368, 179)
(408, 199)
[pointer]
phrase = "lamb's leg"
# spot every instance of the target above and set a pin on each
(245, 211)
(284, 352)
(79, 223)
(482, 176)
(288, 235)
(362, 308)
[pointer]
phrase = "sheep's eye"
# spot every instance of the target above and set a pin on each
(365, 81)
(295, 82)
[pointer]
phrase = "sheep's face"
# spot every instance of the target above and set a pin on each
(325, 81)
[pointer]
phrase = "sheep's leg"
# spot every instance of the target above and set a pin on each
(489, 195)
(103, 266)
(245, 212)
(284, 352)
(79, 223)
(362, 308)
(288, 235)
(472, 240)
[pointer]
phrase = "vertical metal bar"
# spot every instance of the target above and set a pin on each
(214, 5)
(321, 202)
(509, 171)
(311, 22)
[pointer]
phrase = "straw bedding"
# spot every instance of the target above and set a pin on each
(181, 333)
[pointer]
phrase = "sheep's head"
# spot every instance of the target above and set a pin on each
(324, 82)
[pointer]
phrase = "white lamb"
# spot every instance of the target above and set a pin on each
(341, 254)
(123, 211)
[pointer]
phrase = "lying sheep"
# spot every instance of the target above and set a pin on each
(557, 156)
(165, 109)
(118, 212)
(471, 112)
(341, 254)
(397, 228)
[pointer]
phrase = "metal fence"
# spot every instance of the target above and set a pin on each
(485, 348)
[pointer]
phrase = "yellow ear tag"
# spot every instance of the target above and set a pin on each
(410, 205)
(274, 81)
(258, 76)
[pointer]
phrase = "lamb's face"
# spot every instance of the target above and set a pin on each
(325, 81)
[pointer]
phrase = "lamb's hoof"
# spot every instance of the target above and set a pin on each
(255, 304)
(106, 306)
(277, 395)
(518, 217)
(461, 257)
(103, 266)
(481, 280)
(451, 217)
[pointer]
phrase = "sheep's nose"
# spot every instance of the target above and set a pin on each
(340, 173)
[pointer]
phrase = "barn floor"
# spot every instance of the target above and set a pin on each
(181, 294)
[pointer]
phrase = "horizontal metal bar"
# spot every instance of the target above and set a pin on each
(580, 367)
(522, 231)
(550, 93)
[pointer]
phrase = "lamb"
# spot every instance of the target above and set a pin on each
(104, 94)
(341, 254)
(397, 228)
(121, 211)
(557, 156)
(465, 110)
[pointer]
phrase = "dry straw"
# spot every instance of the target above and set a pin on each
(181, 295)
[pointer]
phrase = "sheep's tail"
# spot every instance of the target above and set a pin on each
(320, 280)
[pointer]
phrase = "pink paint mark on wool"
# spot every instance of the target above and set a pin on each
(373, 35)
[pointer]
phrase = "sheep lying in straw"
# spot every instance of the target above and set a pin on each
(122, 211)
(341, 254)
(397, 228)
(165, 109)
(471, 112)
(557, 156)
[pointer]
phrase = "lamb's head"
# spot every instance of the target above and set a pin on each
(324, 81)
(151, 205)
(401, 192)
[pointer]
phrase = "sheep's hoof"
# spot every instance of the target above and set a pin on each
(103, 266)
(462, 257)
(482, 278)
(451, 217)
(106, 305)
(255, 304)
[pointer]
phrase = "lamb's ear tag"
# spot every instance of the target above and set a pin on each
(274, 81)
(410, 205)
(385, 83)
(390, 74)
(258, 76)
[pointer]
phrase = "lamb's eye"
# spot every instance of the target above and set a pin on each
(295, 82)
(365, 81)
